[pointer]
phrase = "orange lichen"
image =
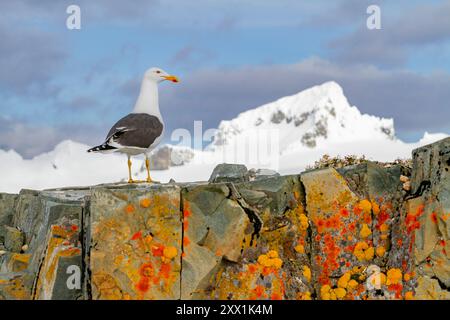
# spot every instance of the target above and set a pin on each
(384, 227)
(394, 276)
(433, 217)
(145, 203)
(148, 239)
(186, 210)
(375, 208)
(137, 235)
(344, 212)
(164, 271)
(275, 296)
(129, 208)
(143, 285)
(259, 291)
(186, 241)
(409, 295)
(158, 250)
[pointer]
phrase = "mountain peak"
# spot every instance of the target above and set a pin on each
(312, 117)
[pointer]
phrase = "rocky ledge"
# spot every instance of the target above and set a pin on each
(364, 231)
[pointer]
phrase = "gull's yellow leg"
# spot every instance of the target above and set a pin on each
(130, 179)
(147, 165)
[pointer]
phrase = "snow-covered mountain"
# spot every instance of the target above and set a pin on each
(313, 118)
(285, 135)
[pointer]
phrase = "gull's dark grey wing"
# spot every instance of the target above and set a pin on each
(138, 130)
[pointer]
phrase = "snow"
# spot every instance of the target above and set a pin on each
(286, 135)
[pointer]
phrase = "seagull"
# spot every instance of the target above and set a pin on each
(141, 130)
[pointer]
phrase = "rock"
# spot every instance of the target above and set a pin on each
(346, 233)
(429, 289)
(167, 156)
(427, 211)
(136, 242)
(214, 228)
(261, 174)
(229, 173)
(7, 205)
(266, 238)
(60, 274)
(14, 239)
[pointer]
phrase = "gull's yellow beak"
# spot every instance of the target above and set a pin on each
(172, 78)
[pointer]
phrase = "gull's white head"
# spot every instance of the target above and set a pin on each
(158, 75)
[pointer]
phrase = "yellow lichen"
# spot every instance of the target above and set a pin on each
(270, 260)
(394, 276)
(369, 253)
(363, 251)
(343, 281)
(365, 231)
(145, 203)
(303, 222)
(304, 296)
(325, 292)
(307, 273)
(365, 206)
(263, 260)
(272, 254)
(380, 251)
(352, 284)
(384, 227)
(300, 249)
(169, 253)
(277, 263)
(340, 293)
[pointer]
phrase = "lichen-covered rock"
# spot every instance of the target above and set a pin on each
(60, 274)
(136, 243)
(7, 205)
(16, 285)
(271, 237)
(354, 232)
(428, 213)
(14, 239)
(229, 173)
(354, 212)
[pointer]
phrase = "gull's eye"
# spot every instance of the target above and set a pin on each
(157, 71)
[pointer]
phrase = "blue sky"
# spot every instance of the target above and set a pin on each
(58, 84)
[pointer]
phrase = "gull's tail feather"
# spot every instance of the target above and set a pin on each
(102, 148)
